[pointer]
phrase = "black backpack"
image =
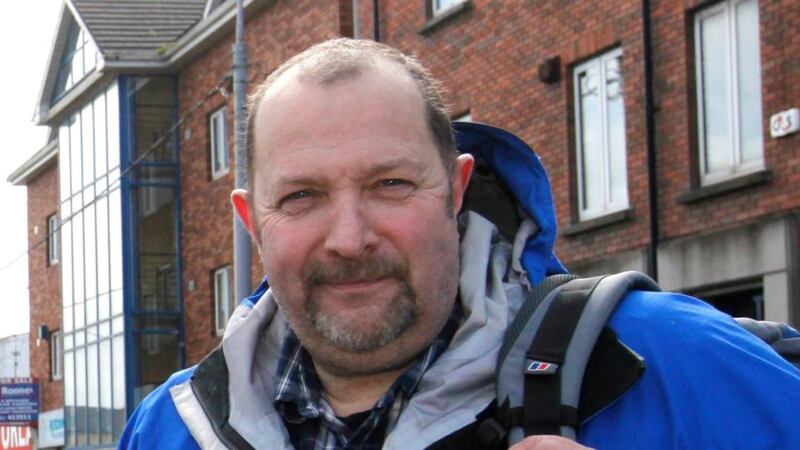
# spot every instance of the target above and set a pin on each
(559, 362)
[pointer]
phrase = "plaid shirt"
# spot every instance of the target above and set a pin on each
(310, 420)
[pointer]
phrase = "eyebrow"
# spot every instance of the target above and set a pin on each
(284, 181)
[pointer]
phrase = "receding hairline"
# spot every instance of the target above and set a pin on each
(343, 59)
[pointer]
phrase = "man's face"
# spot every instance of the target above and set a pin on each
(355, 216)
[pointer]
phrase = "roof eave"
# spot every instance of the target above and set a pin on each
(35, 165)
(219, 23)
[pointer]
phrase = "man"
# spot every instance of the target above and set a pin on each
(386, 309)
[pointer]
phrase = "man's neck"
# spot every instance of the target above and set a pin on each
(348, 395)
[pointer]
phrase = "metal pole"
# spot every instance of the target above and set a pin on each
(241, 240)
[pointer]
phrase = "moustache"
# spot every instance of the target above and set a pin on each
(350, 271)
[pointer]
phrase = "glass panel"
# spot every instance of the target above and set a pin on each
(153, 105)
(76, 165)
(89, 54)
(90, 254)
(591, 140)
(115, 234)
(67, 294)
(63, 163)
(68, 338)
(87, 138)
(105, 391)
(69, 395)
(77, 59)
(80, 315)
(116, 302)
(112, 127)
(117, 325)
(68, 319)
(101, 147)
(615, 113)
(716, 86)
(80, 395)
(104, 329)
(158, 358)
(102, 248)
(749, 89)
(93, 394)
(77, 258)
(155, 321)
(103, 306)
(80, 337)
(91, 311)
(118, 383)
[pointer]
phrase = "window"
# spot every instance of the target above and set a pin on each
(600, 136)
(219, 143)
(223, 298)
(439, 6)
(52, 239)
(728, 90)
(79, 58)
(56, 355)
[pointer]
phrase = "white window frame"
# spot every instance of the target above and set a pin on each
(609, 205)
(440, 6)
(737, 167)
(218, 142)
(223, 298)
(53, 241)
(56, 355)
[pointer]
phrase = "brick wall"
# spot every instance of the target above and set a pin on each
(44, 284)
(487, 56)
(676, 121)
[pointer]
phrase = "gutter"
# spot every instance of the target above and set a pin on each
(35, 164)
(650, 127)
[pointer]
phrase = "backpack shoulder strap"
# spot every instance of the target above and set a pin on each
(543, 359)
(781, 337)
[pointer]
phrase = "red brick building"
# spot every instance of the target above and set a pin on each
(654, 120)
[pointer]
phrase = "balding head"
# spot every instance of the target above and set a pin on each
(339, 59)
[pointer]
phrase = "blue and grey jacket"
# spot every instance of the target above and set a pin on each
(707, 383)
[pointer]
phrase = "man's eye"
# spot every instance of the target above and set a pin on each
(395, 187)
(296, 201)
(394, 182)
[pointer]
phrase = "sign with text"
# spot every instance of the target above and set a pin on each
(51, 428)
(16, 438)
(19, 401)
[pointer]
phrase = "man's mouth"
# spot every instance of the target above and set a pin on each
(356, 284)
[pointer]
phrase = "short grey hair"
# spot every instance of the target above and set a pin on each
(342, 58)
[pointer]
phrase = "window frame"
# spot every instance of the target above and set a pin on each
(56, 355)
(218, 137)
(437, 9)
(225, 274)
(736, 166)
(53, 240)
(609, 206)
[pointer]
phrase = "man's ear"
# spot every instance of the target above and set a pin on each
(462, 171)
(244, 210)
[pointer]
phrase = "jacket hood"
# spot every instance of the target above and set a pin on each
(509, 186)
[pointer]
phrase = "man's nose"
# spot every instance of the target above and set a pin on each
(351, 232)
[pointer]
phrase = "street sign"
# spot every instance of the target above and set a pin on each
(784, 122)
(19, 401)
